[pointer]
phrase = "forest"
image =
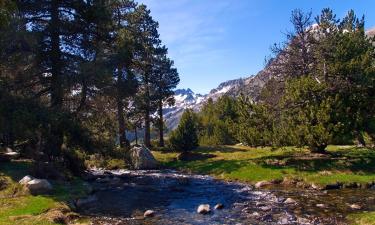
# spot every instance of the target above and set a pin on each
(75, 75)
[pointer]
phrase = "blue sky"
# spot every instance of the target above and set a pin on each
(212, 41)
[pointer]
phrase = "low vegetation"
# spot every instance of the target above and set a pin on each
(341, 164)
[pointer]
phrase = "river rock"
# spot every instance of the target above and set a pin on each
(320, 205)
(261, 184)
(39, 186)
(204, 209)
(290, 201)
(355, 206)
(219, 206)
(316, 187)
(83, 201)
(26, 179)
(142, 159)
(149, 213)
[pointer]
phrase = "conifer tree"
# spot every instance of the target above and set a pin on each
(166, 79)
(185, 137)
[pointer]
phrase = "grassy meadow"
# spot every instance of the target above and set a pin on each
(345, 164)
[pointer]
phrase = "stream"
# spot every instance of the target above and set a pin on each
(121, 197)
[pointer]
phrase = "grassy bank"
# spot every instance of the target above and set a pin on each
(343, 164)
(19, 207)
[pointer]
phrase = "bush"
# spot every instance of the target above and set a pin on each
(185, 137)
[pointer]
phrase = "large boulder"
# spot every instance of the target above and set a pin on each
(39, 186)
(141, 158)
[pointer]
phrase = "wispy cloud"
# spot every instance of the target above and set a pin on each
(190, 29)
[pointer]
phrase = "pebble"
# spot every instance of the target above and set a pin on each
(149, 213)
(355, 206)
(219, 206)
(290, 201)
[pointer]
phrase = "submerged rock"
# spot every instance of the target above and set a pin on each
(142, 159)
(204, 209)
(83, 201)
(149, 213)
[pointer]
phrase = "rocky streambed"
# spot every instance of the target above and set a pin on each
(122, 197)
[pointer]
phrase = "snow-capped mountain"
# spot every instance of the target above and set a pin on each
(186, 98)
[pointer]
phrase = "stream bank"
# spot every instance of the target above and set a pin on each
(122, 196)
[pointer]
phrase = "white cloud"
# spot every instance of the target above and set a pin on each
(189, 28)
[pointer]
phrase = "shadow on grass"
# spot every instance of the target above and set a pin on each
(354, 160)
(222, 149)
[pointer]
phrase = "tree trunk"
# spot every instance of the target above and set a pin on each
(360, 139)
(136, 135)
(56, 138)
(161, 124)
(124, 143)
(121, 122)
(147, 137)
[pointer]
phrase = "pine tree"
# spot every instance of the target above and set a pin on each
(148, 37)
(166, 79)
(185, 137)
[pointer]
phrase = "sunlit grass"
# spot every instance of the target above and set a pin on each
(343, 164)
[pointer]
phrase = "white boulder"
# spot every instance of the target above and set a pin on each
(142, 159)
(204, 209)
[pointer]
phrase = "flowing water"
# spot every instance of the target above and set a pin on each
(121, 197)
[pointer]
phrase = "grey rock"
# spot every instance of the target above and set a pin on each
(142, 158)
(39, 186)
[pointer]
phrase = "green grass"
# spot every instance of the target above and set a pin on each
(343, 164)
(18, 207)
(364, 218)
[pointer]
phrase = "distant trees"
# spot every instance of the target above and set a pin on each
(74, 74)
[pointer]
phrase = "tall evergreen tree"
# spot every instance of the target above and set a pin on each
(147, 34)
(166, 79)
